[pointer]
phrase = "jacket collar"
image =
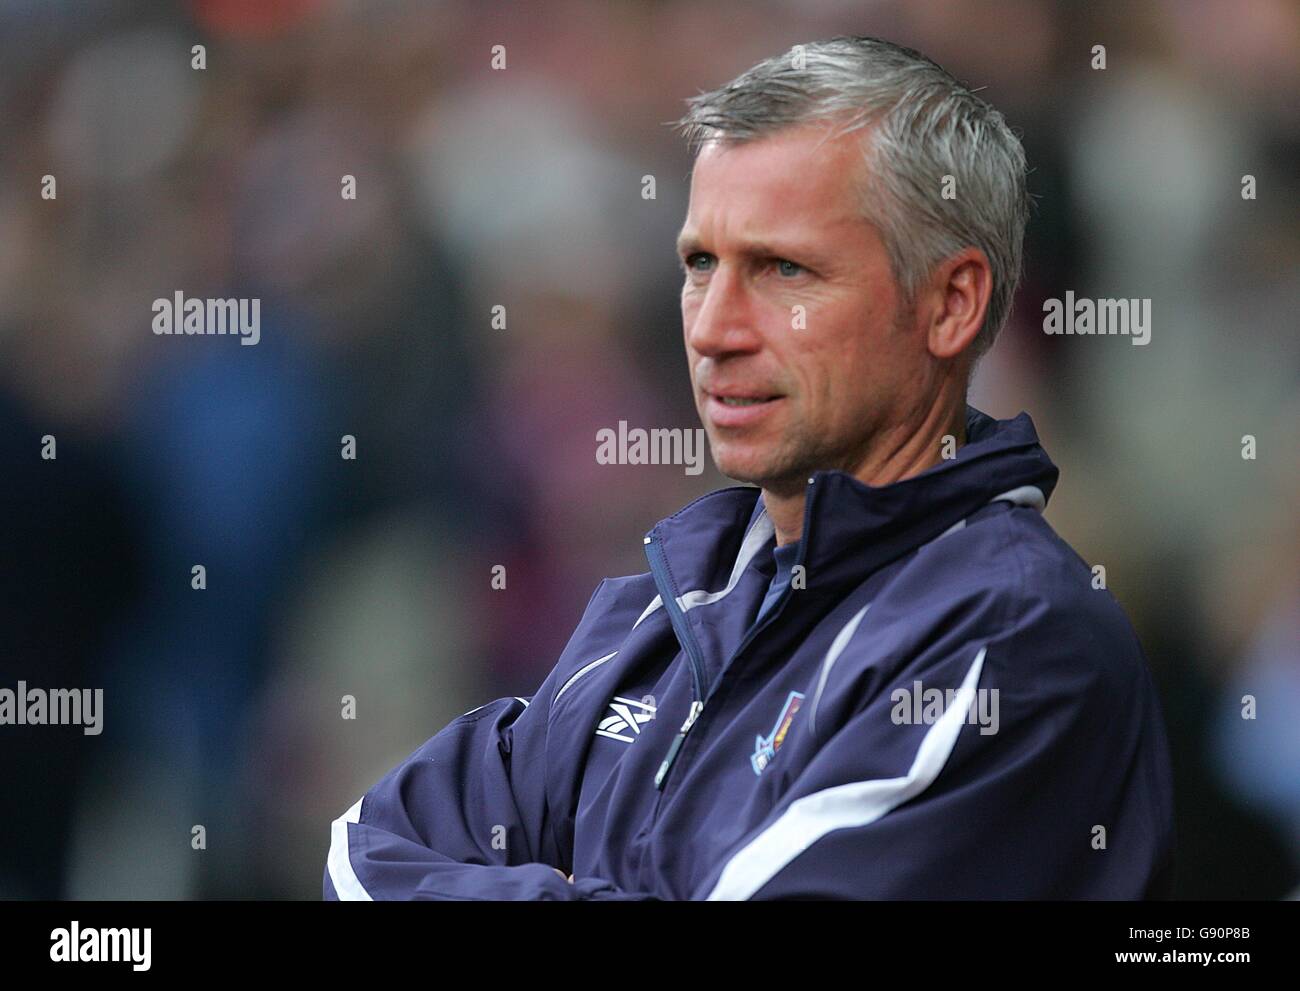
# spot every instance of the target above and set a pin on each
(851, 529)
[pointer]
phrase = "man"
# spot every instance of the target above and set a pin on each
(876, 672)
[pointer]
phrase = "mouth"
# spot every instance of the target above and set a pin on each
(739, 409)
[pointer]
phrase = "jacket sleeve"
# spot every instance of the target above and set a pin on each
(1056, 786)
(463, 817)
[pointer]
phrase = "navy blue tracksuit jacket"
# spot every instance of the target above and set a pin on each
(924, 697)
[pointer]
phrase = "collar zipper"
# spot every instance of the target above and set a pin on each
(659, 569)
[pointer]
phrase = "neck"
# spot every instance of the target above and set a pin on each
(900, 452)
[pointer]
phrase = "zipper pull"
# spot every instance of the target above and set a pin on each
(696, 708)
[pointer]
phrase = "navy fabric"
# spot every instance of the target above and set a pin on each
(784, 559)
(1037, 766)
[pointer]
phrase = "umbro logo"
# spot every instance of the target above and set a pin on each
(626, 719)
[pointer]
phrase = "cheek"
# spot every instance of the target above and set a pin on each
(840, 366)
(690, 307)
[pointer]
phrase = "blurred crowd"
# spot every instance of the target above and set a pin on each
(521, 187)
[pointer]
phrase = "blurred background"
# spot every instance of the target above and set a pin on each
(475, 443)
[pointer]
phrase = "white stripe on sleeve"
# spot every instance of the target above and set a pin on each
(346, 884)
(847, 806)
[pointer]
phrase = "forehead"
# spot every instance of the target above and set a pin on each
(797, 181)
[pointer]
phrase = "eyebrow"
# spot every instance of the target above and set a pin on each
(687, 243)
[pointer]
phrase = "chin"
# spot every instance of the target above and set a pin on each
(755, 467)
(739, 468)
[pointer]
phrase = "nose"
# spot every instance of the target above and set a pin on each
(720, 319)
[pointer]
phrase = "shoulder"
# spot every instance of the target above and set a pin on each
(614, 608)
(617, 604)
(1007, 580)
(1010, 555)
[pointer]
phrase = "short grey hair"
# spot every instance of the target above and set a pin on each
(925, 125)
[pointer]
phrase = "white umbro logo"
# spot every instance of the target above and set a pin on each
(625, 723)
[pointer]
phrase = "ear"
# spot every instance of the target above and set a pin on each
(959, 290)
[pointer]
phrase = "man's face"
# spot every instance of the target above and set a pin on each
(789, 299)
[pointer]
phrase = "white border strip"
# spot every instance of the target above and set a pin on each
(580, 672)
(655, 603)
(346, 883)
(1026, 495)
(759, 534)
(837, 647)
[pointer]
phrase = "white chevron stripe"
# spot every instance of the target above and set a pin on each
(847, 806)
(339, 862)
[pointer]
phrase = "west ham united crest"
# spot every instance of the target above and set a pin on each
(765, 747)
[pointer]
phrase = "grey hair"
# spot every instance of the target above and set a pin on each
(926, 125)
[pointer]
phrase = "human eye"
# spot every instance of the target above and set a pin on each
(688, 263)
(789, 268)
